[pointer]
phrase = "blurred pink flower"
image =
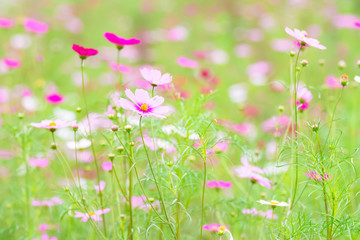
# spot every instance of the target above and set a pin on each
(6, 23)
(218, 184)
(120, 42)
(47, 203)
(54, 98)
(302, 37)
(154, 76)
(11, 63)
(6, 154)
(345, 21)
(276, 125)
(101, 185)
(53, 125)
(95, 216)
(213, 227)
(251, 211)
(142, 104)
(304, 96)
(43, 227)
(39, 162)
(178, 33)
(97, 121)
(107, 166)
(187, 63)
(282, 45)
(35, 26)
(251, 172)
(159, 144)
(140, 203)
(121, 67)
(243, 129)
(317, 176)
(84, 52)
(333, 82)
(268, 214)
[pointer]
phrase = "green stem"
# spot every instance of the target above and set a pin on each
(27, 179)
(77, 167)
(92, 141)
(156, 183)
(203, 192)
(130, 229)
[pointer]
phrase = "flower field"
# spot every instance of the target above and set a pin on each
(188, 120)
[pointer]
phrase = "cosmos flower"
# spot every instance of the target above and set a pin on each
(159, 144)
(11, 63)
(274, 203)
(276, 125)
(317, 176)
(142, 104)
(120, 42)
(6, 23)
(187, 63)
(302, 37)
(95, 216)
(304, 96)
(333, 82)
(54, 98)
(218, 184)
(107, 166)
(253, 173)
(154, 76)
(47, 203)
(81, 144)
(84, 52)
(39, 162)
(213, 227)
(139, 202)
(100, 187)
(53, 125)
(35, 26)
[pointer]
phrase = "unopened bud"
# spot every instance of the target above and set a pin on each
(341, 64)
(292, 54)
(344, 79)
(75, 127)
(221, 230)
(120, 149)
(53, 146)
(169, 164)
(297, 69)
(128, 128)
(263, 195)
(321, 62)
(151, 199)
(132, 144)
(281, 108)
(358, 63)
(114, 128)
(78, 109)
(304, 63)
(315, 127)
(20, 115)
(111, 156)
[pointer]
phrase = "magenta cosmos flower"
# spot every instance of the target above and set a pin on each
(302, 37)
(317, 176)
(11, 63)
(53, 125)
(213, 227)
(6, 23)
(218, 184)
(304, 96)
(95, 216)
(154, 76)
(84, 52)
(120, 42)
(35, 26)
(54, 98)
(142, 104)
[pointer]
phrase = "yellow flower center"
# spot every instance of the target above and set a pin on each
(144, 107)
(52, 124)
(222, 228)
(273, 202)
(91, 213)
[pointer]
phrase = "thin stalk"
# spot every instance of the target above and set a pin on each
(27, 179)
(92, 141)
(333, 114)
(130, 228)
(77, 167)
(203, 192)
(156, 183)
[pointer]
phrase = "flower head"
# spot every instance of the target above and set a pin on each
(218, 184)
(95, 216)
(187, 63)
(11, 63)
(84, 52)
(302, 37)
(274, 203)
(317, 176)
(304, 96)
(53, 125)
(100, 187)
(107, 166)
(6, 23)
(154, 76)
(54, 98)
(120, 42)
(213, 227)
(35, 26)
(39, 162)
(142, 104)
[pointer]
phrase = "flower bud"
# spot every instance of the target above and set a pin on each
(20, 115)
(151, 199)
(297, 69)
(263, 195)
(75, 127)
(315, 127)
(169, 164)
(341, 64)
(114, 128)
(78, 109)
(128, 128)
(281, 108)
(111, 156)
(221, 230)
(321, 62)
(132, 144)
(292, 54)
(304, 63)
(120, 149)
(344, 80)
(53, 146)
(358, 63)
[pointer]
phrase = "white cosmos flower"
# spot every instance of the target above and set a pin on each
(274, 203)
(82, 144)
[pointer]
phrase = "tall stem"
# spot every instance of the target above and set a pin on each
(77, 167)
(203, 192)
(27, 179)
(92, 141)
(156, 183)
(130, 229)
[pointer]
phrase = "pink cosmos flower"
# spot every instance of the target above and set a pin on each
(39, 162)
(187, 63)
(251, 172)
(142, 104)
(121, 67)
(159, 144)
(11, 63)
(302, 37)
(47, 203)
(107, 166)
(120, 42)
(218, 184)
(304, 96)
(6, 23)
(54, 98)
(357, 24)
(95, 216)
(139, 202)
(345, 21)
(53, 125)
(43, 227)
(333, 82)
(154, 76)
(84, 52)
(276, 125)
(317, 176)
(101, 186)
(98, 121)
(251, 211)
(35, 26)
(6, 154)
(268, 214)
(213, 227)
